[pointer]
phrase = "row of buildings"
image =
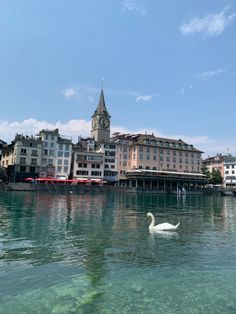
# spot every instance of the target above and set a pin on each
(226, 165)
(141, 161)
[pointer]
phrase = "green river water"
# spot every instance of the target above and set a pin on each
(93, 253)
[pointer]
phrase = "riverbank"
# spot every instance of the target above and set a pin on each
(73, 188)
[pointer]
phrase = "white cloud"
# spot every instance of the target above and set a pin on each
(90, 93)
(132, 5)
(71, 128)
(211, 25)
(75, 128)
(70, 92)
(210, 73)
(146, 97)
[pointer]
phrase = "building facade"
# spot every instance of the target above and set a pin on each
(22, 158)
(230, 172)
(87, 163)
(56, 155)
(216, 162)
(147, 161)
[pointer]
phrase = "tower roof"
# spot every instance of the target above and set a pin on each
(101, 108)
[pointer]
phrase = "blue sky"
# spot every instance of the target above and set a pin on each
(169, 67)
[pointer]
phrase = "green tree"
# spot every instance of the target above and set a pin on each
(216, 177)
(206, 171)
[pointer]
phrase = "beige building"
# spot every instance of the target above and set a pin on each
(159, 161)
(22, 158)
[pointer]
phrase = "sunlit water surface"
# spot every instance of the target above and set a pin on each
(93, 253)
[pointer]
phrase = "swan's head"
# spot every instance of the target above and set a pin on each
(149, 215)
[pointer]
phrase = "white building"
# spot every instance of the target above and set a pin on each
(87, 164)
(110, 151)
(56, 155)
(230, 172)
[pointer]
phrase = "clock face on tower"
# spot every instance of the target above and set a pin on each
(104, 123)
(95, 123)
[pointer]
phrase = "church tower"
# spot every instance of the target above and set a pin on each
(100, 131)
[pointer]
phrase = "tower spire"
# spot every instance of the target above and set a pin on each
(101, 107)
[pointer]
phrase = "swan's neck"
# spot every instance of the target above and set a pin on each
(152, 222)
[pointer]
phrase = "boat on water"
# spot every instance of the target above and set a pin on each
(227, 192)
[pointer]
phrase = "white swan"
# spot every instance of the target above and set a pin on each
(161, 227)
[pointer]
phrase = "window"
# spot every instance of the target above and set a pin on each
(148, 149)
(59, 161)
(22, 160)
(60, 154)
(148, 157)
(60, 146)
(34, 161)
(22, 168)
(65, 168)
(34, 152)
(66, 154)
(23, 151)
(51, 152)
(82, 172)
(52, 145)
(59, 169)
(125, 156)
(140, 156)
(141, 148)
(154, 157)
(96, 173)
(66, 162)
(81, 165)
(97, 166)
(50, 161)
(67, 147)
(32, 169)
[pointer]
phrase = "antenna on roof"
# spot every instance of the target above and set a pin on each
(102, 82)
